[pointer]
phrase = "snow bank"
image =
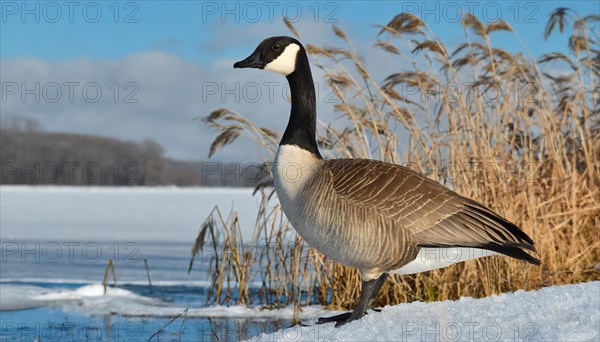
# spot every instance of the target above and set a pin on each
(559, 313)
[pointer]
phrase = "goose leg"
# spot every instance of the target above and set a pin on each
(370, 290)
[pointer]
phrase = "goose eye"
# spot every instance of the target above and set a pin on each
(276, 47)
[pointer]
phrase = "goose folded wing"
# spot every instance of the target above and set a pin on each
(436, 216)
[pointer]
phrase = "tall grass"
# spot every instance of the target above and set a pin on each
(533, 156)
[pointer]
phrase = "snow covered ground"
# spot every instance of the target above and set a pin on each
(559, 313)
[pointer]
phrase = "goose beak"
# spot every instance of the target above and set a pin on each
(253, 61)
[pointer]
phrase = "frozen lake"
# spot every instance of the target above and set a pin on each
(116, 213)
(56, 242)
(46, 229)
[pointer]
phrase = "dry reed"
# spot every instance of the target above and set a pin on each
(534, 158)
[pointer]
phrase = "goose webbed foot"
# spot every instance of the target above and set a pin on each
(336, 318)
(351, 316)
(342, 319)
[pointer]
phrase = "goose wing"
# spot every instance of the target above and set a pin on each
(436, 216)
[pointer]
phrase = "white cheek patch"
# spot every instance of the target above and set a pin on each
(286, 62)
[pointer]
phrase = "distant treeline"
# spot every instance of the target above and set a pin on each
(29, 156)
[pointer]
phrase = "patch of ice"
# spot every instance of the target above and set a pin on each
(91, 300)
(19, 297)
(93, 290)
(144, 282)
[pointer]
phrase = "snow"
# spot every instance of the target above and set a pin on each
(558, 313)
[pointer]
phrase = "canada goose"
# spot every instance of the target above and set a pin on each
(378, 217)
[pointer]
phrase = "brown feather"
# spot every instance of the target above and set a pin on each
(410, 203)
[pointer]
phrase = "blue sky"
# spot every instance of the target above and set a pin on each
(108, 41)
(187, 27)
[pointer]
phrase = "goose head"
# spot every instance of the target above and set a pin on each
(278, 54)
(286, 56)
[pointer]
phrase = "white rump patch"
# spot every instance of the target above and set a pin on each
(286, 62)
(431, 258)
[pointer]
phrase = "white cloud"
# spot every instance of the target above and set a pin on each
(167, 92)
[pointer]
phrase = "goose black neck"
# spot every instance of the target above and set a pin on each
(302, 126)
